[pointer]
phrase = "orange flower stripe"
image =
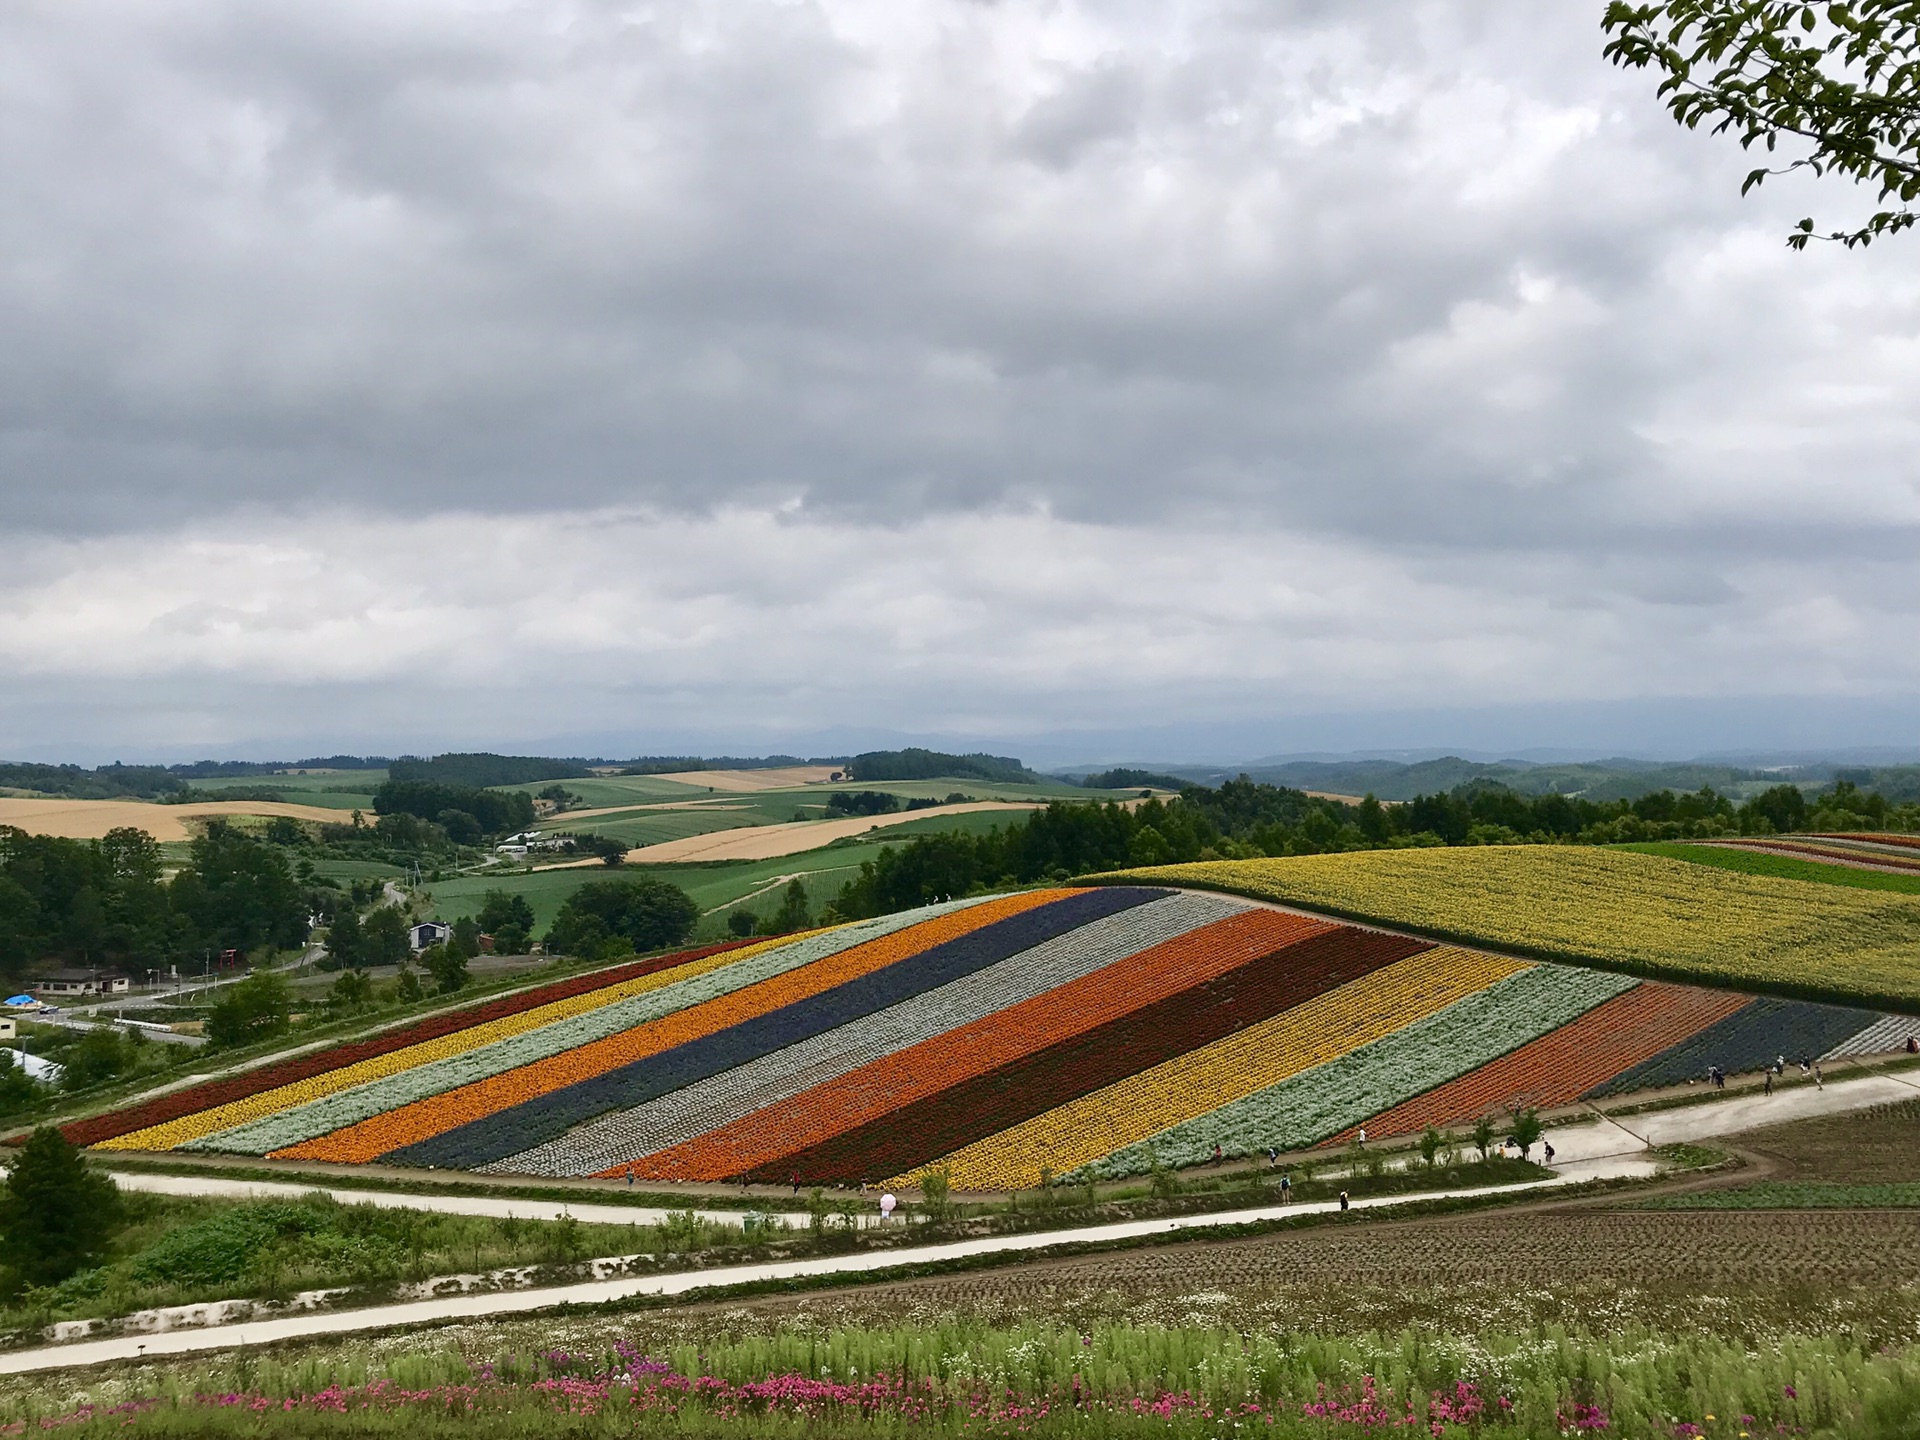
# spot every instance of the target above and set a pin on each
(438, 1114)
(172, 1133)
(923, 1070)
(1564, 1064)
(1182, 1089)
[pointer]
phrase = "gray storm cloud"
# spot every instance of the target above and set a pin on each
(1196, 333)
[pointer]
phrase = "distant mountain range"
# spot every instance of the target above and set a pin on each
(1609, 779)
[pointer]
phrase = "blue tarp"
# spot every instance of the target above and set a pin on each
(20, 1000)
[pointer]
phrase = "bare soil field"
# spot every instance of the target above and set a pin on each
(91, 819)
(1584, 1263)
(1872, 1147)
(770, 842)
(1751, 1276)
(747, 780)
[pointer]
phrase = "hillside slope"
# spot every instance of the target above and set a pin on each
(1645, 914)
(1099, 1030)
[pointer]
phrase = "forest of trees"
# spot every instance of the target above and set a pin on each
(105, 902)
(478, 770)
(1243, 819)
(916, 764)
(467, 813)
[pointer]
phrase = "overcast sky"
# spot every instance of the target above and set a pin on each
(1192, 378)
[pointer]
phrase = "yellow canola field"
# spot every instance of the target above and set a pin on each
(270, 1102)
(1141, 1106)
(1647, 914)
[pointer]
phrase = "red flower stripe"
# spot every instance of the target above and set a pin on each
(987, 1102)
(1565, 1064)
(876, 1090)
(163, 1108)
(1911, 842)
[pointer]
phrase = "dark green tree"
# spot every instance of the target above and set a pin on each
(1779, 811)
(352, 990)
(509, 919)
(446, 965)
(465, 940)
(603, 917)
(1527, 1130)
(257, 1008)
(346, 946)
(1483, 1135)
(56, 1215)
(793, 914)
(100, 1054)
(17, 1088)
(740, 923)
(1838, 84)
(385, 932)
(240, 893)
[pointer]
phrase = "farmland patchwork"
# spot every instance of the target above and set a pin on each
(1100, 1031)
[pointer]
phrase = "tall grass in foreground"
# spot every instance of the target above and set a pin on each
(1039, 1380)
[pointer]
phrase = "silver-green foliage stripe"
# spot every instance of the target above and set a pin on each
(682, 1114)
(1329, 1098)
(362, 1102)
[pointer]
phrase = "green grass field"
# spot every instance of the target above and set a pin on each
(598, 791)
(712, 887)
(650, 827)
(1754, 862)
(347, 870)
(342, 790)
(781, 807)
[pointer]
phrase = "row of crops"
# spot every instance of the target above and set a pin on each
(1099, 1030)
(1651, 915)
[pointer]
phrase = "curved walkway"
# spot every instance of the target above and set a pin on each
(497, 1208)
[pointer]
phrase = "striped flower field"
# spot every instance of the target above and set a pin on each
(1095, 1031)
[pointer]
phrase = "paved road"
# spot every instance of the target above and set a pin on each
(1603, 1150)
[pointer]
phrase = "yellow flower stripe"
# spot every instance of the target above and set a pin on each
(1585, 904)
(268, 1102)
(1312, 1033)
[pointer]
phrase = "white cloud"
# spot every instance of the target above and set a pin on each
(996, 622)
(1009, 364)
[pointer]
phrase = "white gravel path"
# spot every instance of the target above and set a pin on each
(500, 1209)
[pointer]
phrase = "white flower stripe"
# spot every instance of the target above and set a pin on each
(1889, 1032)
(349, 1107)
(768, 1079)
(1345, 1092)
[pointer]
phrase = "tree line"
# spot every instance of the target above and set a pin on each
(1243, 819)
(107, 903)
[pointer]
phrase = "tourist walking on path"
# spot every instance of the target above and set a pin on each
(1286, 1189)
(1818, 1083)
(1769, 1082)
(629, 1177)
(1343, 1199)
